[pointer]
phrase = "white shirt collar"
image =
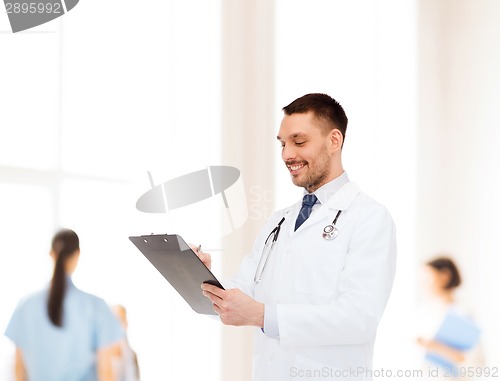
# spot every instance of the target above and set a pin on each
(326, 191)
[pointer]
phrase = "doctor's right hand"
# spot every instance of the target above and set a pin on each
(204, 257)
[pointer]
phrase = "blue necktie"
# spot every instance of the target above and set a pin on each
(307, 204)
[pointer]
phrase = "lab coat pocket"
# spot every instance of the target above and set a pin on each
(319, 269)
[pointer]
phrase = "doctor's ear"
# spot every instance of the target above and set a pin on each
(336, 139)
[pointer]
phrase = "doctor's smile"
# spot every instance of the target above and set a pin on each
(295, 169)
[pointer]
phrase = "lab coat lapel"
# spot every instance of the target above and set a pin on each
(292, 216)
(344, 197)
(339, 201)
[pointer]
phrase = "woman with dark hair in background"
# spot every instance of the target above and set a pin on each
(451, 345)
(63, 333)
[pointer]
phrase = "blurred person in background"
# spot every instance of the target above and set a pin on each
(125, 359)
(449, 335)
(62, 333)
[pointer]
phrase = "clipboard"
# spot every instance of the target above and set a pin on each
(456, 331)
(180, 266)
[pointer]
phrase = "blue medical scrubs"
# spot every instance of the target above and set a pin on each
(66, 353)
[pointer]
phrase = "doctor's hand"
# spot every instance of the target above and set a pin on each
(204, 257)
(234, 306)
(442, 349)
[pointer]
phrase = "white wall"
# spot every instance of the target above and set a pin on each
(363, 54)
(458, 139)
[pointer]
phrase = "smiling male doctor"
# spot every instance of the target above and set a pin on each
(317, 294)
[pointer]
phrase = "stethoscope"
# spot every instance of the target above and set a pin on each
(268, 247)
(330, 232)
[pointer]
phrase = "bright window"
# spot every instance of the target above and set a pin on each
(90, 103)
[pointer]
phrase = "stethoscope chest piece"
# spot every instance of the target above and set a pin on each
(330, 232)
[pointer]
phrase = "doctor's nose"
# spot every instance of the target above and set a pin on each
(288, 153)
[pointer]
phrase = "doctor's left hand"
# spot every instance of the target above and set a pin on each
(234, 306)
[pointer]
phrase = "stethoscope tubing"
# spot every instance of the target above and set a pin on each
(330, 232)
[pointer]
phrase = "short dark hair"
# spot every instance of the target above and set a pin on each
(442, 264)
(324, 107)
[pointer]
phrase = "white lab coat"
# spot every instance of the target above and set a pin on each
(330, 294)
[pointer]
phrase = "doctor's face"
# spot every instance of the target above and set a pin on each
(307, 150)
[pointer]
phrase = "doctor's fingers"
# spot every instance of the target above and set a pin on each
(216, 300)
(204, 257)
(221, 293)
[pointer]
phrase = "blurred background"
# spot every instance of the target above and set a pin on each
(93, 100)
